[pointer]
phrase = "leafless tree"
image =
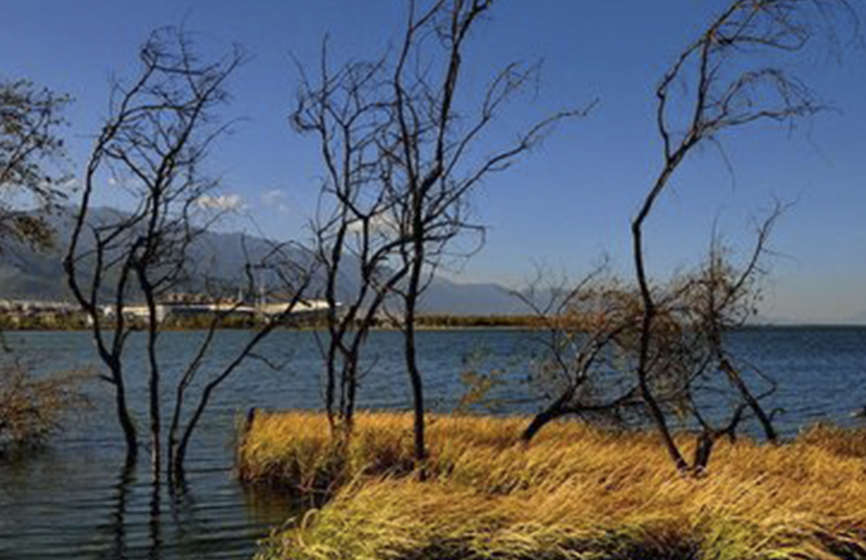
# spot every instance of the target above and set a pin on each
(353, 240)
(585, 345)
(430, 165)
(588, 344)
(592, 341)
(724, 80)
(715, 300)
(402, 165)
(29, 149)
(154, 142)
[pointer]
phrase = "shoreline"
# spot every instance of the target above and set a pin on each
(422, 328)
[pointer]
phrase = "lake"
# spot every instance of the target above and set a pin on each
(74, 499)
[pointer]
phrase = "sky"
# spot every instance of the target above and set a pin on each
(563, 206)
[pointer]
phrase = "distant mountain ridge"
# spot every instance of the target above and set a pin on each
(25, 274)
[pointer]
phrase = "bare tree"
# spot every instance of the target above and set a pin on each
(155, 141)
(588, 347)
(403, 163)
(431, 168)
(727, 82)
(592, 341)
(713, 301)
(585, 346)
(29, 148)
(354, 241)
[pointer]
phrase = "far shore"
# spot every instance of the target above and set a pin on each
(431, 322)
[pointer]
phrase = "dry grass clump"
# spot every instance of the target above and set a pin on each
(574, 493)
(296, 449)
(847, 442)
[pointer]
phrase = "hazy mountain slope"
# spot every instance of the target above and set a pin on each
(444, 296)
(25, 274)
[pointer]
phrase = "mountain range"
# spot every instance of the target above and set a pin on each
(27, 274)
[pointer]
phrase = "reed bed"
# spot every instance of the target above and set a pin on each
(575, 492)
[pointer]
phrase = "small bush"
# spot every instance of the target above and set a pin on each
(33, 407)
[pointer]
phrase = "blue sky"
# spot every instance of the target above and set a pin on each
(565, 204)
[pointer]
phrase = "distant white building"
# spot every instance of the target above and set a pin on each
(304, 306)
(164, 310)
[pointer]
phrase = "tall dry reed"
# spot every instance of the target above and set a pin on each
(575, 492)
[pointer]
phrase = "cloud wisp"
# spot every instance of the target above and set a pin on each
(276, 199)
(223, 202)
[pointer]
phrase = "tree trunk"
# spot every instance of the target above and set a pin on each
(417, 391)
(539, 421)
(411, 301)
(556, 410)
(655, 411)
(154, 374)
(155, 428)
(751, 401)
(703, 450)
(417, 397)
(123, 416)
(658, 418)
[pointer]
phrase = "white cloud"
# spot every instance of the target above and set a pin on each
(220, 202)
(382, 224)
(275, 199)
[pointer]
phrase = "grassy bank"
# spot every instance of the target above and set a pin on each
(574, 493)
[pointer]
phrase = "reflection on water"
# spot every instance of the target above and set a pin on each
(117, 519)
(75, 513)
(77, 500)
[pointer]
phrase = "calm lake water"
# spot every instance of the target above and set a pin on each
(74, 500)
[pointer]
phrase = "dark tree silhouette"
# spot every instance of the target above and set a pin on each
(402, 165)
(29, 151)
(729, 77)
(155, 142)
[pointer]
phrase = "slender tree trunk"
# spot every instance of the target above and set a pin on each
(539, 421)
(351, 392)
(751, 401)
(173, 431)
(155, 428)
(703, 450)
(177, 462)
(126, 423)
(409, 348)
(330, 382)
(154, 375)
(652, 406)
(556, 410)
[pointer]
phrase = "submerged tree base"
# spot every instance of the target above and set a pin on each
(574, 492)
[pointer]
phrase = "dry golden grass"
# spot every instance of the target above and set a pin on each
(575, 492)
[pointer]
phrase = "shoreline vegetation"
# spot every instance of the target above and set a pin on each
(34, 406)
(575, 492)
(76, 322)
(431, 322)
